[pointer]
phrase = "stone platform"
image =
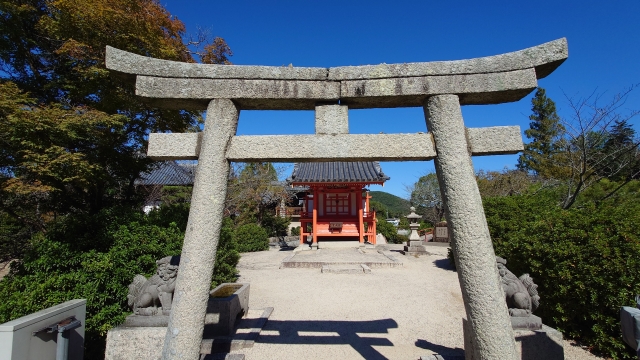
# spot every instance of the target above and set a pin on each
(129, 343)
(346, 269)
(543, 344)
(378, 257)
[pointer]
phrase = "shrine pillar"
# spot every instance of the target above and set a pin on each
(361, 209)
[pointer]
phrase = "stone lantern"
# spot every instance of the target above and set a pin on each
(413, 224)
(415, 245)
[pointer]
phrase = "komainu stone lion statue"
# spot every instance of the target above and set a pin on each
(154, 296)
(521, 293)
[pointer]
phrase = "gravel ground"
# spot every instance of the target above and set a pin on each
(392, 313)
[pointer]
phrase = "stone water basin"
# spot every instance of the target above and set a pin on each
(227, 303)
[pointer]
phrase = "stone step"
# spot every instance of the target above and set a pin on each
(338, 244)
(346, 269)
(341, 257)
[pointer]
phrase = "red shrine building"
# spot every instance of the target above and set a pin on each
(336, 205)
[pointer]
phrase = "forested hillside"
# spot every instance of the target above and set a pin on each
(396, 205)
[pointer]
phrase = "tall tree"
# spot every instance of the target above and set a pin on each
(72, 132)
(621, 138)
(425, 196)
(71, 139)
(505, 183)
(545, 130)
(253, 192)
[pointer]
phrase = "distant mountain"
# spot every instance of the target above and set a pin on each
(397, 206)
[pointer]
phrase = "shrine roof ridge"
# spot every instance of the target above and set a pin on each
(544, 58)
(338, 171)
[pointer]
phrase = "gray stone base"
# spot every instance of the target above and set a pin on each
(346, 269)
(415, 242)
(543, 344)
(530, 322)
(124, 343)
(133, 343)
(128, 343)
(341, 257)
(146, 321)
(415, 250)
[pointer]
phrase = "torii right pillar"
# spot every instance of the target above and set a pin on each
(471, 243)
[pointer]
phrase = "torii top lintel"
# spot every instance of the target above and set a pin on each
(487, 80)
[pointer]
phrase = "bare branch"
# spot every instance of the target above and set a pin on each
(589, 154)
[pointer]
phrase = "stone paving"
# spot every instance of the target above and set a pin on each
(373, 258)
(404, 312)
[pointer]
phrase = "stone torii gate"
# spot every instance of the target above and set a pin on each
(439, 87)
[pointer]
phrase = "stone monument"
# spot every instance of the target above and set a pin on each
(441, 232)
(440, 88)
(415, 245)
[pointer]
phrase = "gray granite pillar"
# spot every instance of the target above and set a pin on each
(186, 323)
(482, 293)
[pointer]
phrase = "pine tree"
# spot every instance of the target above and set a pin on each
(545, 131)
(620, 151)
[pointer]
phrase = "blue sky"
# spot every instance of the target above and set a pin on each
(603, 37)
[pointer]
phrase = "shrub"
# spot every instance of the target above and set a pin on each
(586, 262)
(404, 223)
(177, 213)
(295, 231)
(95, 258)
(400, 239)
(275, 225)
(390, 232)
(251, 237)
(55, 271)
(227, 256)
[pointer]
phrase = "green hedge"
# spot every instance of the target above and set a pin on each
(95, 258)
(390, 232)
(251, 237)
(586, 262)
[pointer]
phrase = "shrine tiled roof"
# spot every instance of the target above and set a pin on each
(355, 171)
(168, 173)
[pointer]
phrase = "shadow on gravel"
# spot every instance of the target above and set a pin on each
(446, 352)
(329, 332)
(444, 264)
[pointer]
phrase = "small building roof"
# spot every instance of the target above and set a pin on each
(169, 173)
(335, 171)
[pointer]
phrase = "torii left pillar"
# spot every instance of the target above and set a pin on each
(186, 322)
